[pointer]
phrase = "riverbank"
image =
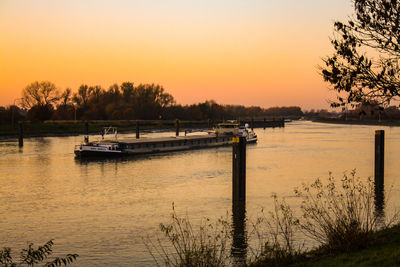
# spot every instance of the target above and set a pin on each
(384, 251)
(357, 122)
(71, 128)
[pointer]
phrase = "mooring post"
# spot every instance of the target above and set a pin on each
(177, 127)
(86, 132)
(21, 134)
(379, 158)
(239, 169)
(264, 123)
(252, 123)
(137, 130)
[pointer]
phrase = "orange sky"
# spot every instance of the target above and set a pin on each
(253, 52)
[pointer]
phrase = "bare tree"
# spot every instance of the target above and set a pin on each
(42, 93)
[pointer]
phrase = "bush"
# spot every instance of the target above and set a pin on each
(206, 246)
(276, 234)
(31, 256)
(339, 215)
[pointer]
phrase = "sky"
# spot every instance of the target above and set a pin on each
(249, 52)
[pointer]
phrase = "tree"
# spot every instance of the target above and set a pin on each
(65, 109)
(81, 98)
(365, 65)
(39, 98)
(39, 94)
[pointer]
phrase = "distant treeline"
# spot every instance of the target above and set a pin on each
(42, 101)
(363, 111)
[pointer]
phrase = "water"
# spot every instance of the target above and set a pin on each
(102, 209)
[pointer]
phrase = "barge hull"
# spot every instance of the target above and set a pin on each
(150, 146)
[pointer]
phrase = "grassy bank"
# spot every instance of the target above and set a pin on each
(63, 128)
(384, 251)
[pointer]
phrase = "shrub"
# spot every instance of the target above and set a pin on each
(276, 236)
(31, 256)
(206, 246)
(339, 215)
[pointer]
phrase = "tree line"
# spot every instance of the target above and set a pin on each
(43, 101)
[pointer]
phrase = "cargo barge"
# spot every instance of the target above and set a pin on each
(113, 148)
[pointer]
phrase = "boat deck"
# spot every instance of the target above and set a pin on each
(133, 141)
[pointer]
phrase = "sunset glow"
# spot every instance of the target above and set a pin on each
(250, 52)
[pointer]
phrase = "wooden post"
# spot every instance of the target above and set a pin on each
(86, 132)
(264, 123)
(177, 127)
(379, 158)
(239, 169)
(252, 123)
(21, 135)
(137, 130)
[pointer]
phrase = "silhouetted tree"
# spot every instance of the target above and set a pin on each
(39, 98)
(65, 109)
(365, 65)
(39, 94)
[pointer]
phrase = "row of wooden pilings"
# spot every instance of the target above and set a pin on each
(253, 124)
(239, 165)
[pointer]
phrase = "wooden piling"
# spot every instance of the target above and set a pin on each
(177, 127)
(379, 158)
(137, 130)
(252, 124)
(238, 169)
(86, 132)
(264, 123)
(21, 134)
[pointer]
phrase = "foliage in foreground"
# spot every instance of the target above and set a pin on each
(206, 246)
(276, 233)
(32, 257)
(339, 215)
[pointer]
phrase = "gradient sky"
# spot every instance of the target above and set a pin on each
(249, 52)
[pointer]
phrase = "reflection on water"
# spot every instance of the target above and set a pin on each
(101, 209)
(239, 234)
(379, 202)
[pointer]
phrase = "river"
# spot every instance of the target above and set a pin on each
(103, 209)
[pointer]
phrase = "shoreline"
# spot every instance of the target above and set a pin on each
(12, 137)
(358, 122)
